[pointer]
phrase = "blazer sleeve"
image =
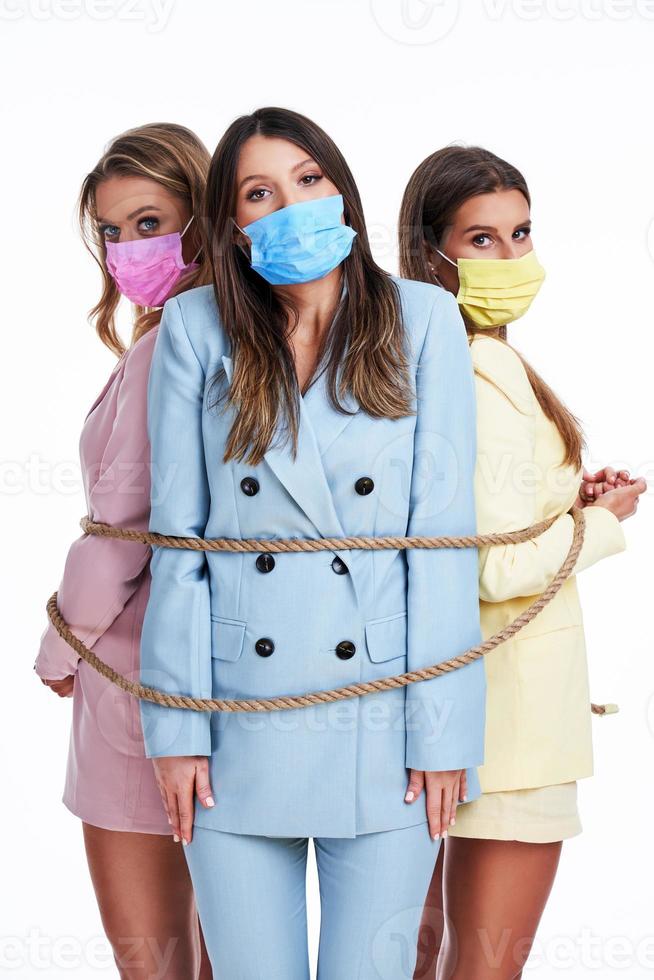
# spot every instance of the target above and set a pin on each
(101, 574)
(176, 634)
(504, 483)
(445, 716)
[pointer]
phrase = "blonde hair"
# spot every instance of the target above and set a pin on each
(174, 157)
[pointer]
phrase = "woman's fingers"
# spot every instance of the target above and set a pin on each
(186, 806)
(415, 787)
(177, 778)
(203, 785)
(463, 787)
(172, 809)
(450, 794)
(434, 793)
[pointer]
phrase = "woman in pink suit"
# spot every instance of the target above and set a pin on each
(136, 212)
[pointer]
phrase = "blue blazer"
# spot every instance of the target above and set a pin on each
(228, 625)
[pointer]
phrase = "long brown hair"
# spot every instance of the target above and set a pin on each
(366, 338)
(174, 157)
(437, 188)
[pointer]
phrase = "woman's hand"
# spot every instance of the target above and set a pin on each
(622, 501)
(593, 485)
(179, 777)
(63, 687)
(443, 791)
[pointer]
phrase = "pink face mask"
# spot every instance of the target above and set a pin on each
(147, 270)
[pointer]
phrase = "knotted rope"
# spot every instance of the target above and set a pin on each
(324, 544)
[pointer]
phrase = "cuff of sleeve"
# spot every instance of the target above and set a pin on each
(447, 730)
(604, 536)
(175, 731)
(56, 659)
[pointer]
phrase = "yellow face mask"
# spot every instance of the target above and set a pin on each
(493, 292)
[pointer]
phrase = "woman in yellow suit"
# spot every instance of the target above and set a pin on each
(465, 224)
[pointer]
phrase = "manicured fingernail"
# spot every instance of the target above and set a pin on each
(184, 841)
(210, 801)
(464, 799)
(452, 822)
(409, 797)
(176, 838)
(444, 833)
(434, 836)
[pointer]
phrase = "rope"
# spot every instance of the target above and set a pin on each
(275, 545)
(322, 544)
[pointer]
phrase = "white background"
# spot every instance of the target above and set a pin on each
(562, 89)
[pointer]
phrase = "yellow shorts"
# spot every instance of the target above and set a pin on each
(538, 815)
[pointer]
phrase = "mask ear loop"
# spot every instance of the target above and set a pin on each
(444, 256)
(182, 233)
(238, 245)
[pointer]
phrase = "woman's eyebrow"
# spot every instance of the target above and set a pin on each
(302, 163)
(252, 177)
(298, 166)
(146, 207)
(479, 228)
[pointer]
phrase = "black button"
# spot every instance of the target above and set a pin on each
(265, 562)
(249, 486)
(264, 646)
(364, 485)
(345, 649)
(339, 566)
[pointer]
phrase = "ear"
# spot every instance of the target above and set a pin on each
(433, 261)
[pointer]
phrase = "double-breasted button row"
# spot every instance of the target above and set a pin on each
(345, 650)
(363, 486)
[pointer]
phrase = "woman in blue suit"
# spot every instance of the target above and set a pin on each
(307, 393)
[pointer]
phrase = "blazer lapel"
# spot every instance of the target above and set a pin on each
(327, 423)
(305, 477)
(107, 385)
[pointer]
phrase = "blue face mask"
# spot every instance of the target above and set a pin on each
(301, 242)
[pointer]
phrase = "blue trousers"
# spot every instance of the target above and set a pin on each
(251, 898)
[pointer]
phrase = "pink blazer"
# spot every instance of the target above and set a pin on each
(102, 596)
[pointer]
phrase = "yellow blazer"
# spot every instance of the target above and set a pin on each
(538, 718)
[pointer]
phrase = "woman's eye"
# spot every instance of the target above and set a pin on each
(310, 179)
(481, 240)
(258, 194)
(521, 233)
(109, 231)
(148, 224)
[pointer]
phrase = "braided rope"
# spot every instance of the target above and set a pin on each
(321, 544)
(248, 545)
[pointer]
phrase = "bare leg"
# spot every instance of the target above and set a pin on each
(430, 936)
(495, 893)
(146, 902)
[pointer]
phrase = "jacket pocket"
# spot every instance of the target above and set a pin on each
(386, 637)
(226, 638)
